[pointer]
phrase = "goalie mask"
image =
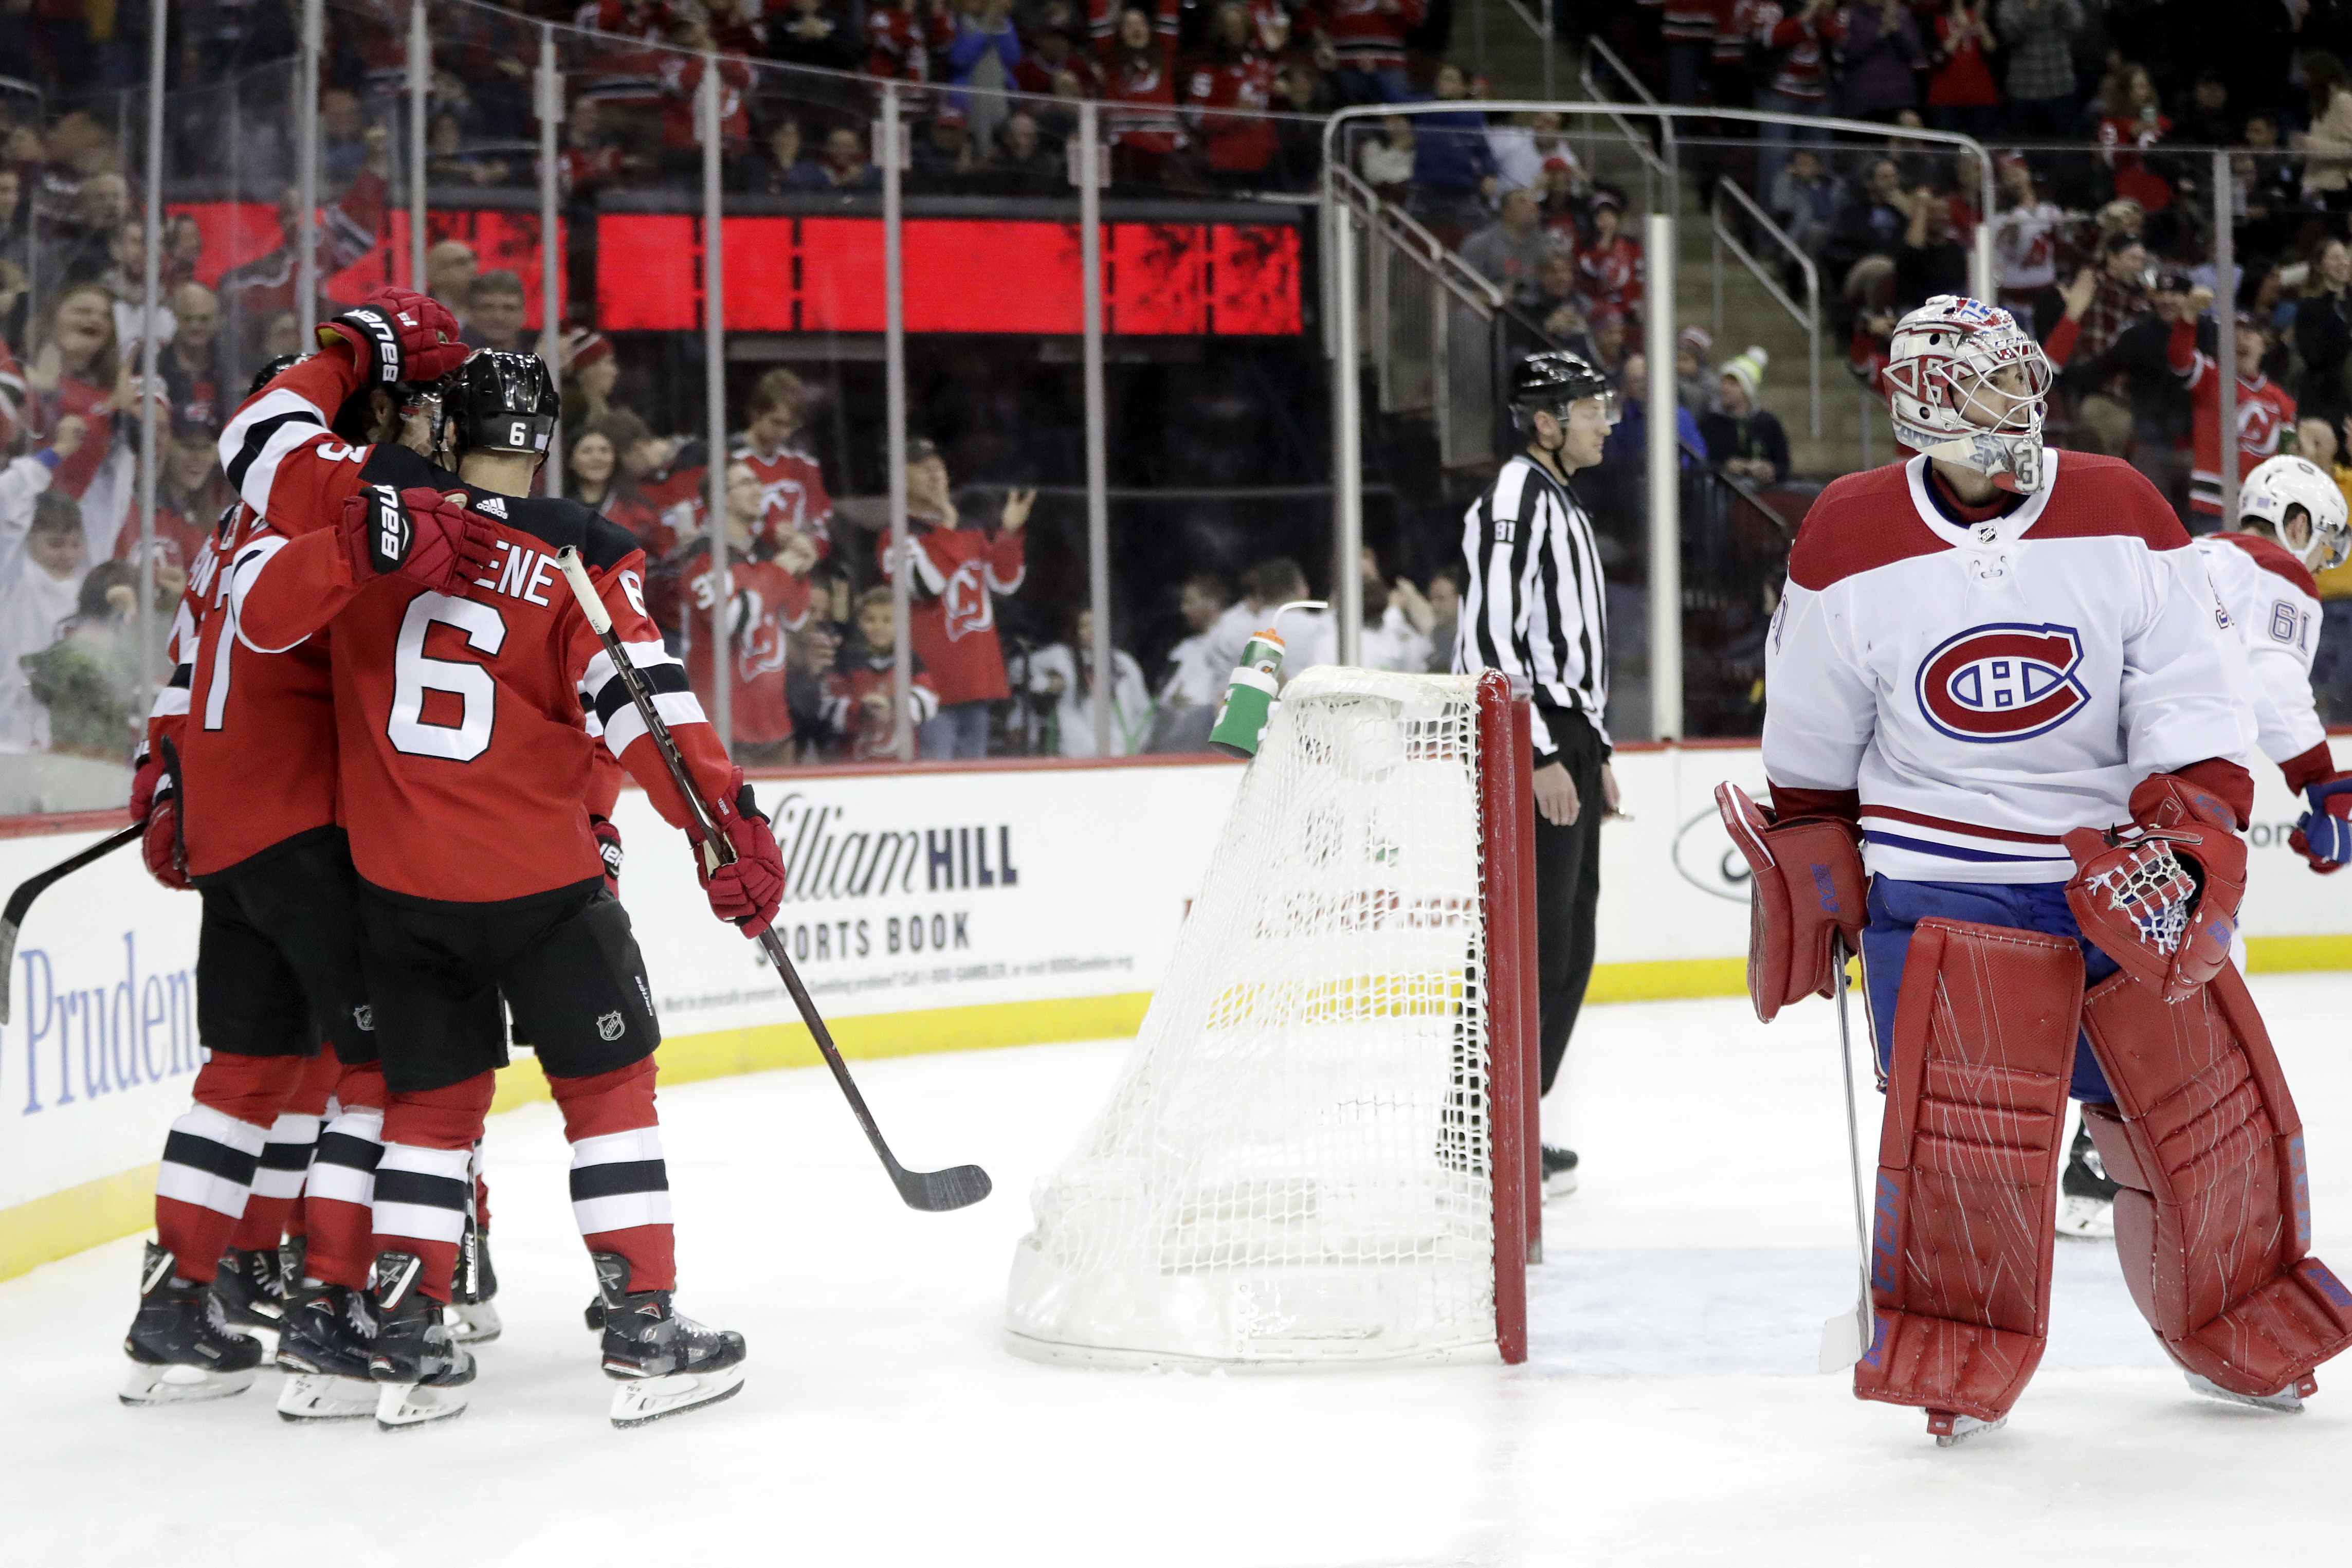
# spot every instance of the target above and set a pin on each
(2277, 486)
(1968, 384)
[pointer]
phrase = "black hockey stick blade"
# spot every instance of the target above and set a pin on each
(935, 1192)
(11, 919)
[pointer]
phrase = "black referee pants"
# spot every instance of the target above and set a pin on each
(1567, 898)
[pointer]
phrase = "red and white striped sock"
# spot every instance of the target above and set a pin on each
(422, 1183)
(286, 1157)
(620, 1185)
(211, 1153)
(340, 1192)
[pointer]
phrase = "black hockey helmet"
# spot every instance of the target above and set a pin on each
(1551, 381)
(272, 370)
(501, 401)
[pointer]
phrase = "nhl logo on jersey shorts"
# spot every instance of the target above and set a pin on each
(2003, 682)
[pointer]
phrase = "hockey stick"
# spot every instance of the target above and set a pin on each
(11, 919)
(1845, 1337)
(935, 1191)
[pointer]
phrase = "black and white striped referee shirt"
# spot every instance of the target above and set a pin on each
(1535, 607)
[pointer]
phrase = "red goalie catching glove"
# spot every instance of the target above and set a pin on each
(1807, 891)
(2162, 901)
(749, 889)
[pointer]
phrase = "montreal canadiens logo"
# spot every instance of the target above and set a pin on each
(2003, 682)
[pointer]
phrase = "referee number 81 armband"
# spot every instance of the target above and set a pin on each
(1806, 896)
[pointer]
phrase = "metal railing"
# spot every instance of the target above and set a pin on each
(1809, 316)
(1654, 166)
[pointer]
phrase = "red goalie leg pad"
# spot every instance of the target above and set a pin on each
(340, 1192)
(2212, 1220)
(425, 1180)
(1968, 1167)
(211, 1153)
(278, 1181)
(620, 1184)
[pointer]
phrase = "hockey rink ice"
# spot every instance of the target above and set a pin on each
(1669, 1413)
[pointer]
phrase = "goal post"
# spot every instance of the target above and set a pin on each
(1321, 1150)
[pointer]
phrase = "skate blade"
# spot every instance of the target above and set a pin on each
(317, 1397)
(401, 1405)
(475, 1323)
(2287, 1401)
(1951, 1430)
(2087, 1218)
(636, 1403)
(180, 1384)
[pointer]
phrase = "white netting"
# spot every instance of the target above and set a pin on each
(1295, 1166)
(2151, 888)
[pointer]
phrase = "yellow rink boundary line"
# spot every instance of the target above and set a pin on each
(63, 1222)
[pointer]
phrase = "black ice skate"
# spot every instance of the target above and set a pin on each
(181, 1348)
(251, 1287)
(417, 1368)
(324, 1349)
(666, 1364)
(2086, 1199)
(1558, 1172)
(473, 1318)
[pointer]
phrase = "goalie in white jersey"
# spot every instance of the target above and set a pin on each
(1998, 681)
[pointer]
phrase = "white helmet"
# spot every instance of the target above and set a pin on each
(2280, 482)
(1939, 363)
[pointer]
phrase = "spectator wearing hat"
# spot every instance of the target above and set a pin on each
(2265, 411)
(1693, 371)
(953, 575)
(591, 371)
(1609, 265)
(1742, 440)
(1566, 209)
(1510, 251)
(943, 157)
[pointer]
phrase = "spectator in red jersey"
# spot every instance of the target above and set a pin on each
(75, 372)
(1360, 45)
(812, 33)
(767, 596)
(1137, 51)
(1052, 51)
(792, 496)
(1795, 38)
(681, 81)
(2265, 411)
(2131, 120)
(595, 478)
(1228, 94)
(954, 573)
(857, 694)
(899, 41)
(593, 157)
(1961, 93)
(1688, 28)
(1609, 265)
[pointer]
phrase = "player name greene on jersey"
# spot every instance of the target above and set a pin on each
(1986, 685)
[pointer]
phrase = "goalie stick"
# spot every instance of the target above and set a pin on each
(1846, 1336)
(13, 919)
(935, 1190)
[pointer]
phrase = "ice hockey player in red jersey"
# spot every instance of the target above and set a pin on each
(1998, 734)
(953, 622)
(464, 675)
(237, 788)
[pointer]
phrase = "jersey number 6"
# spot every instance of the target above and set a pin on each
(414, 674)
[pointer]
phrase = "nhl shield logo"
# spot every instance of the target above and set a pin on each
(609, 1026)
(2003, 682)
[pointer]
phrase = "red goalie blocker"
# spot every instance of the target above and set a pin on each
(1807, 893)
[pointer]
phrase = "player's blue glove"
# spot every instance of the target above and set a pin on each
(2323, 834)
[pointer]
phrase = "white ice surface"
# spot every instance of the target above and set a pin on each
(1668, 1413)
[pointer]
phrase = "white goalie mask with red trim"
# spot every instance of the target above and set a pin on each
(1969, 385)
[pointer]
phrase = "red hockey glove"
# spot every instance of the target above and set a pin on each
(750, 889)
(1807, 889)
(397, 334)
(2323, 834)
(608, 848)
(419, 533)
(2161, 897)
(154, 800)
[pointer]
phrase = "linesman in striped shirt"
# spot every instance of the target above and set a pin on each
(1534, 609)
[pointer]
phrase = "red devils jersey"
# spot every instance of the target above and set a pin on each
(952, 621)
(255, 731)
(867, 735)
(1237, 143)
(466, 762)
(1364, 36)
(1612, 272)
(792, 493)
(1145, 84)
(2265, 413)
(765, 603)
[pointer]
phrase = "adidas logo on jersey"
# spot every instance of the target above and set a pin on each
(492, 506)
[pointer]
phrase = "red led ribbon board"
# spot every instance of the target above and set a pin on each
(237, 232)
(962, 275)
